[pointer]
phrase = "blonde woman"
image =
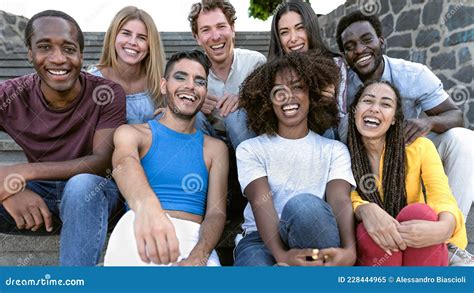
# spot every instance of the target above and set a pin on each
(133, 56)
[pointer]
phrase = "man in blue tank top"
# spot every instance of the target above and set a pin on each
(173, 177)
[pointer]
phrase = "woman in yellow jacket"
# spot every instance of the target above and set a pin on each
(400, 225)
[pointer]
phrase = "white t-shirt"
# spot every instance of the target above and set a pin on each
(292, 166)
(244, 63)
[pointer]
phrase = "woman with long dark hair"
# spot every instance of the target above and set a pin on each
(295, 28)
(406, 210)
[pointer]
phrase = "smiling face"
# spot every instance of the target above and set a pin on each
(363, 50)
(185, 88)
(215, 35)
(131, 42)
(292, 34)
(375, 111)
(56, 56)
(290, 99)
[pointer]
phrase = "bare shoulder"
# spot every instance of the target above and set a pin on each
(214, 147)
(132, 133)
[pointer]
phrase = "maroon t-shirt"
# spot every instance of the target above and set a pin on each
(52, 135)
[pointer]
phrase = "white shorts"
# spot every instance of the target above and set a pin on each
(122, 248)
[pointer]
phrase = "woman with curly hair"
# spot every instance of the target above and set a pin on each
(133, 57)
(295, 28)
(400, 225)
(297, 182)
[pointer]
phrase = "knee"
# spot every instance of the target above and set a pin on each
(457, 140)
(84, 188)
(306, 208)
(417, 211)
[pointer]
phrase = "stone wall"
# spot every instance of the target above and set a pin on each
(437, 33)
(12, 29)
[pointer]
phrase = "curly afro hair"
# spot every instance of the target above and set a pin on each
(315, 71)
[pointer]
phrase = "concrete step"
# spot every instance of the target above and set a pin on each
(18, 250)
(10, 152)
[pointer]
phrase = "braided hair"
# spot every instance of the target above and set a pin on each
(394, 161)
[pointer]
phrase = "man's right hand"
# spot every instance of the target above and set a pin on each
(300, 257)
(29, 211)
(155, 234)
(209, 105)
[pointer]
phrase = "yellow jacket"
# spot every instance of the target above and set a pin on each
(424, 164)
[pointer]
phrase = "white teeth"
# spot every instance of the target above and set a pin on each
(216, 47)
(363, 59)
(290, 107)
(297, 47)
(57, 72)
(130, 51)
(187, 97)
(371, 121)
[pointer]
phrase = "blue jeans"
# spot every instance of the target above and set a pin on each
(83, 204)
(236, 126)
(306, 222)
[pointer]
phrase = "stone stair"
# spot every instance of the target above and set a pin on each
(20, 250)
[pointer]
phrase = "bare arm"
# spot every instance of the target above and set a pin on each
(214, 219)
(440, 119)
(97, 163)
(26, 207)
(338, 197)
(154, 232)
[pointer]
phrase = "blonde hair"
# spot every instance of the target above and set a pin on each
(153, 62)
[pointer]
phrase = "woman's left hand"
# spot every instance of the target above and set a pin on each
(421, 233)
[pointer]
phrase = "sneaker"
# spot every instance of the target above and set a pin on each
(459, 257)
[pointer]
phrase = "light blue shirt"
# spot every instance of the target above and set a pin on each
(419, 88)
(140, 106)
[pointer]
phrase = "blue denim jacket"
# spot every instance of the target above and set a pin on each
(140, 106)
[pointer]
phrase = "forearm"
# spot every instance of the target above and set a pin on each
(209, 235)
(445, 121)
(268, 227)
(93, 164)
(132, 182)
(448, 222)
(342, 208)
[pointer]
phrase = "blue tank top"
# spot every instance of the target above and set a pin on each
(175, 168)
